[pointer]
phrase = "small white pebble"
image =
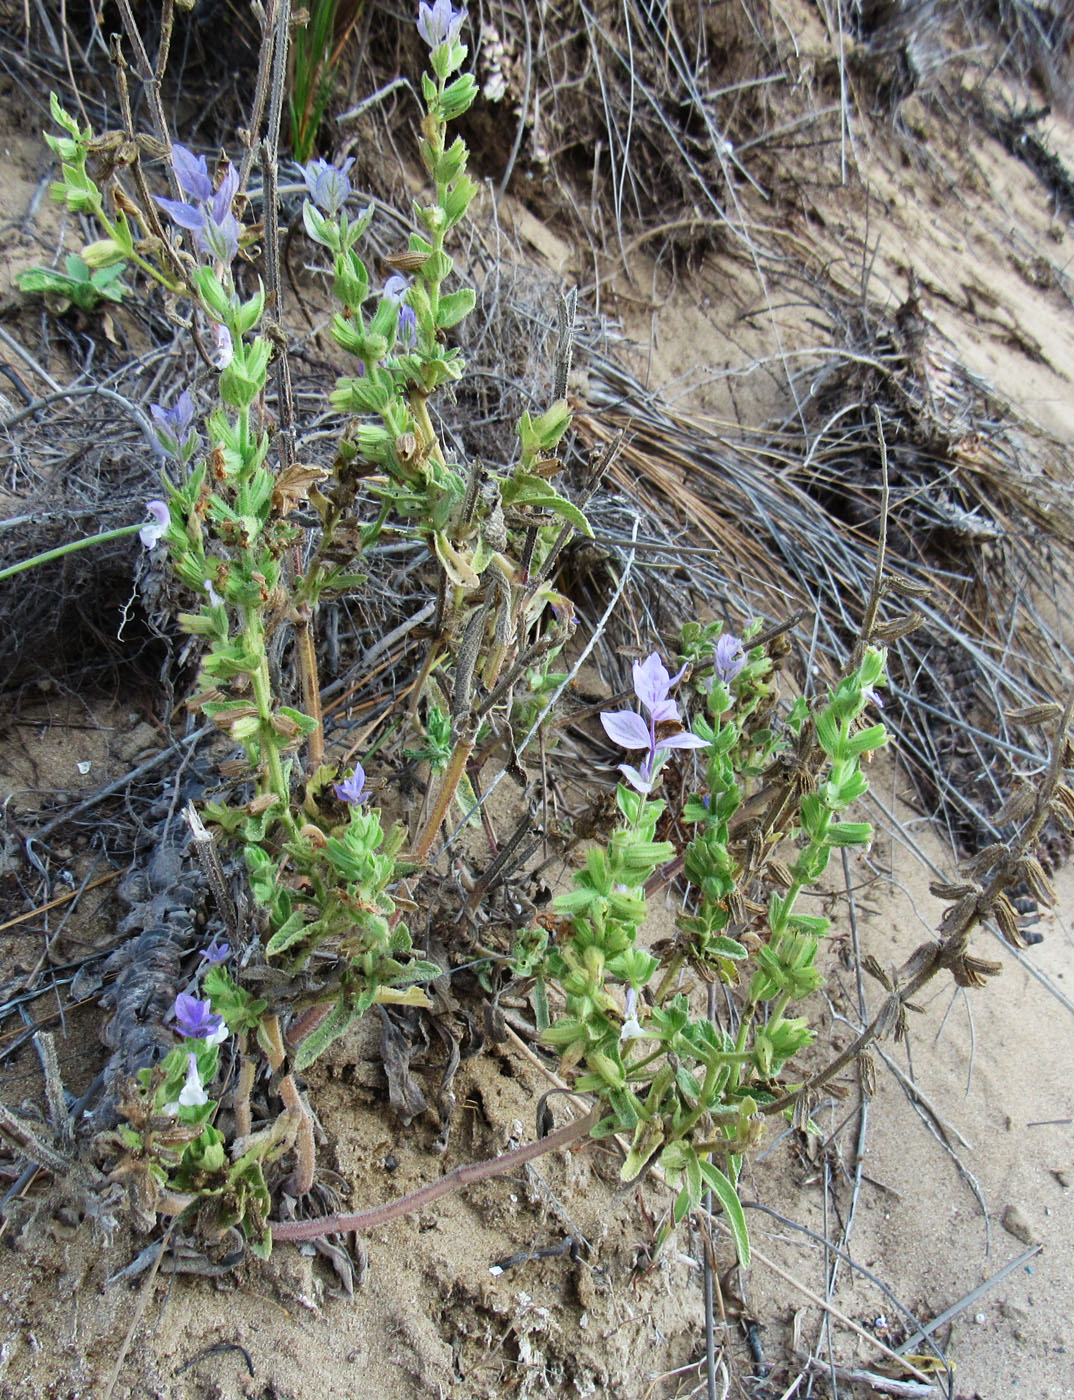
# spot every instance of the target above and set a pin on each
(495, 1271)
(981, 1319)
(84, 767)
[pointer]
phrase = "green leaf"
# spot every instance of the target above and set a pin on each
(331, 1028)
(454, 307)
(289, 933)
(732, 1206)
(849, 834)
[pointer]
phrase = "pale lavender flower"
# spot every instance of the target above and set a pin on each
(192, 1094)
(730, 658)
(872, 697)
(216, 952)
(631, 1028)
(214, 226)
(352, 790)
(629, 730)
(328, 184)
(439, 23)
(150, 533)
(174, 435)
(192, 172)
(178, 418)
(223, 347)
(195, 1020)
(395, 290)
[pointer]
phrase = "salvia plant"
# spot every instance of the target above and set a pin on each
(329, 885)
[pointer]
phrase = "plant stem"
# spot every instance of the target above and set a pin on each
(311, 692)
(62, 549)
(452, 776)
(466, 1175)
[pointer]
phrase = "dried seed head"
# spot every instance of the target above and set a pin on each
(406, 448)
(1062, 816)
(970, 971)
(1034, 714)
(780, 875)
(1019, 805)
(872, 967)
(947, 891)
(907, 587)
(1032, 872)
(224, 719)
(987, 858)
(262, 803)
(867, 1068)
(897, 627)
(960, 915)
(412, 261)
(1007, 917)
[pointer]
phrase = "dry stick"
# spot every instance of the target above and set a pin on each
(150, 80)
(60, 899)
(261, 87)
(305, 641)
(144, 1294)
(819, 1302)
(970, 1298)
(147, 204)
(951, 950)
(466, 1175)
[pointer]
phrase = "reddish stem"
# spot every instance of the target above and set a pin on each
(465, 1175)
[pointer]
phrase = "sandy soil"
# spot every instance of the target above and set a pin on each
(966, 1152)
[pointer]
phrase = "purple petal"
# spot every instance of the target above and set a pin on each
(191, 172)
(229, 186)
(150, 534)
(642, 782)
(685, 740)
(395, 288)
(185, 215)
(626, 728)
(651, 681)
(729, 658)
(184, 411)
(664, 712)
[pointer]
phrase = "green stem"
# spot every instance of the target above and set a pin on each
(63, 549)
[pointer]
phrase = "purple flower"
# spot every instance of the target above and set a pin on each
(223, 346)
(215, 953)
(177, 419)
(395, 290)
(872, 697)
(439, 24)
(630, 731)
(174, 435)
(214, 226)
(729, 659)
(195, 1020)
(328, 184)
(151, 533)
(192, 173)
(352, 790)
